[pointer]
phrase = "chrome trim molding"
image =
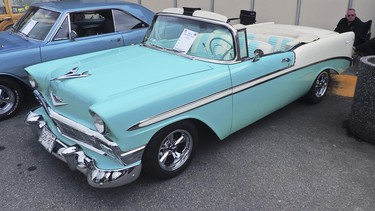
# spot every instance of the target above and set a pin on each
(76, 159)
(73, 73)
(216, 96)
(224, 24)
(181, 109)
(80, 128)
(56, 100)
(100, 143)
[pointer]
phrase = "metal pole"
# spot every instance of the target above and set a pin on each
(298, 12)
(252, 3)
(175, 3)
(139, 1)
(212, 5)
(350, 5)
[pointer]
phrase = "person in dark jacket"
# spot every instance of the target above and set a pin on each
(351, 23)
(366, 48)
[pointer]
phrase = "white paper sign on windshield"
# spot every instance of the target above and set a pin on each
(29, 27)
(185, 41)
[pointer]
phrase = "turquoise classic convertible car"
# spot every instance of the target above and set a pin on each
(113, 113)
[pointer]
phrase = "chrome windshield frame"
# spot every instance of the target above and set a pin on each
(233, 32)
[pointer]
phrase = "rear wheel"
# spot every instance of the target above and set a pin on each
(170, 150)
(319, 88)
(11, 97)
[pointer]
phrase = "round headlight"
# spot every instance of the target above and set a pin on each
(99, 123)
(33, 82)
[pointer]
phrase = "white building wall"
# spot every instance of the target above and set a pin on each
(158, 5)
(204, 4)
(322, 13)
(316, 13)
(231, 8)
(278, 11)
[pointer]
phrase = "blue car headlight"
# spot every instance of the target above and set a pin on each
(33, 82)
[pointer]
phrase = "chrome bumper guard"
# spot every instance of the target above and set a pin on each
(76, 159)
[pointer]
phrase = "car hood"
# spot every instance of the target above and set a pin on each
(10, 41)
(111, 74)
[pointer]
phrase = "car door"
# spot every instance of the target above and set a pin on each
(131, 28)
(261, 87)
(95, 31)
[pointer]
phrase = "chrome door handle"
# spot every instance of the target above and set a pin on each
(285, 60)
(116, 40)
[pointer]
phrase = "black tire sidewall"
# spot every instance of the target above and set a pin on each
(311, 97)
(150, 164)
(17, 91)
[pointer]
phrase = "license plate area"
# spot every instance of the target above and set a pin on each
(47, 139)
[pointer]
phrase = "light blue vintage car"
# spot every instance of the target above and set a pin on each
(60, 29)
(110, 114)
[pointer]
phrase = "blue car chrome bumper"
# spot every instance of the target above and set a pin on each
(76, 158)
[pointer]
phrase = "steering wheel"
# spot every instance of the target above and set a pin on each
(217, 47)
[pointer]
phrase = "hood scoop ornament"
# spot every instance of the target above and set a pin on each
(56, 100)
(72, 74)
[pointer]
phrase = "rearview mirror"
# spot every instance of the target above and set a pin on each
(257, 54)
(73, 35)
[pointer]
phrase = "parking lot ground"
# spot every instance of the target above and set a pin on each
(301, 157)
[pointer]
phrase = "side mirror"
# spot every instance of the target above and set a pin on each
(73, 35)
(257, 55)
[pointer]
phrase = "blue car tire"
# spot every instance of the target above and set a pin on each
(11, 96)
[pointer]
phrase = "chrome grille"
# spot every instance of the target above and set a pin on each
(76, 134)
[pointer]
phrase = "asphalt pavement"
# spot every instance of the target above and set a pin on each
(298, 158)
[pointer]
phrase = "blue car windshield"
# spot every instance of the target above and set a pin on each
(196, 38)
(36, 23)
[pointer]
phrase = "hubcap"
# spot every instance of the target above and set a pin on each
(7, 99)
(175, 150)
(321, 84)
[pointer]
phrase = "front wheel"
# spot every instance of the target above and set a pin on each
(170, 150)
(319, 88)
(11, 97)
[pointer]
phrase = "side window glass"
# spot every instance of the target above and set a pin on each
(19, 6)
(126, 22)
(63, 32)
(90, 23)
(243, 43)
(2, 7)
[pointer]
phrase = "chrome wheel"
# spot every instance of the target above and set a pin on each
(170, 150)
(321, 84)
(175, 150)
(7, 99)
(318, 89)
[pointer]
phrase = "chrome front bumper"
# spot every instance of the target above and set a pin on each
(76, 159)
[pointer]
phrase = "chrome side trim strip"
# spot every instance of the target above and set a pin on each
(217, 96)
(250, 84)
(181, 109)
(132, 151)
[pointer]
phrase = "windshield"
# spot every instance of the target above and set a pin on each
(192, 37)
(36, 23)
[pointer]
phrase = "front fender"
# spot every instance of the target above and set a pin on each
(13, 63)
(187, 97)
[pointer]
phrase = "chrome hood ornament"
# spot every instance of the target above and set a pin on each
(72, 74)
(56, 100)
